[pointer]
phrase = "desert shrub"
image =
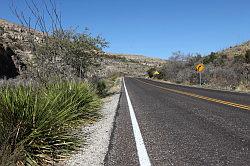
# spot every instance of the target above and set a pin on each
(193, 59)
(210, 58)
(220, 70)
(175, 68)
(151, 72)
(184, 76)
(123, 59)
(65, 54)
(35, 121)
(219, 62)
(171, 69)
(1, 30)
(101, 87)
(114, 76)
(247, 56)
(239, 59)
(221, 77)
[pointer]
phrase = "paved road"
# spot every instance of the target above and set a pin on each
(181, 126)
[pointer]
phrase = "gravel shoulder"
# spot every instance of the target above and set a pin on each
(97, 135)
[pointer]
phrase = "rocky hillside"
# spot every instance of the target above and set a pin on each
(227, 69)
(237, 50)
(18, 37)
(16, 49)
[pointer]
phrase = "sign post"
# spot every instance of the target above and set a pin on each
(199, 68)
(200, 78)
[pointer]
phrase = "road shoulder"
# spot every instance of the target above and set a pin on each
(97, 135)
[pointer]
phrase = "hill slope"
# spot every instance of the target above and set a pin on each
(16, 38)
(237, 50)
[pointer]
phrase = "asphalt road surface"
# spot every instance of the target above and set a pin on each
(179, 126)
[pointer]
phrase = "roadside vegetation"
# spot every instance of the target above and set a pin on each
(54, 94)
(221, 70)
(36, 121)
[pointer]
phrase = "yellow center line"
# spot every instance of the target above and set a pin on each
(246, 107)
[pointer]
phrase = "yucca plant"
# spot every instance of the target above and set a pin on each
(36, 122)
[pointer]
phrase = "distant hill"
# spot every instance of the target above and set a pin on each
(127, 64)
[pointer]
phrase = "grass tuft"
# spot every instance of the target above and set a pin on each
(36, 122)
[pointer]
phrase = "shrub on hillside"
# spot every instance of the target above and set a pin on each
(247, 56)
(65, 54)
(222, 77)
(239, 59)
(1, 30)
(220, 72)
(210, 58)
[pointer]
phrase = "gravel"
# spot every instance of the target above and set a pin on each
(98, 136)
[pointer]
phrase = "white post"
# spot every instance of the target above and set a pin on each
(200, 78)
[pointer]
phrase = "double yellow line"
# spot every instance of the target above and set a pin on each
(246, 107)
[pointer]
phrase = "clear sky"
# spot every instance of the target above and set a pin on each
(157, 27)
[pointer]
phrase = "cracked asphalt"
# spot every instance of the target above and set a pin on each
(178, 129)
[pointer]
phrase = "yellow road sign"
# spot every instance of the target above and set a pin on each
(156, 73)
(200, 67)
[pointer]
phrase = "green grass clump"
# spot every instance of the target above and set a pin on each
(36, 122)
(102, 88)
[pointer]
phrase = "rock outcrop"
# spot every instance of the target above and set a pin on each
(7, 65)
(15, 47)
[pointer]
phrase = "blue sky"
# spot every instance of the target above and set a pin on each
(157, 27)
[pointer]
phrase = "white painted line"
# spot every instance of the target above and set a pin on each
(140, 146)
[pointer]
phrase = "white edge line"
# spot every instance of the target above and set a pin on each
(140, 146)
